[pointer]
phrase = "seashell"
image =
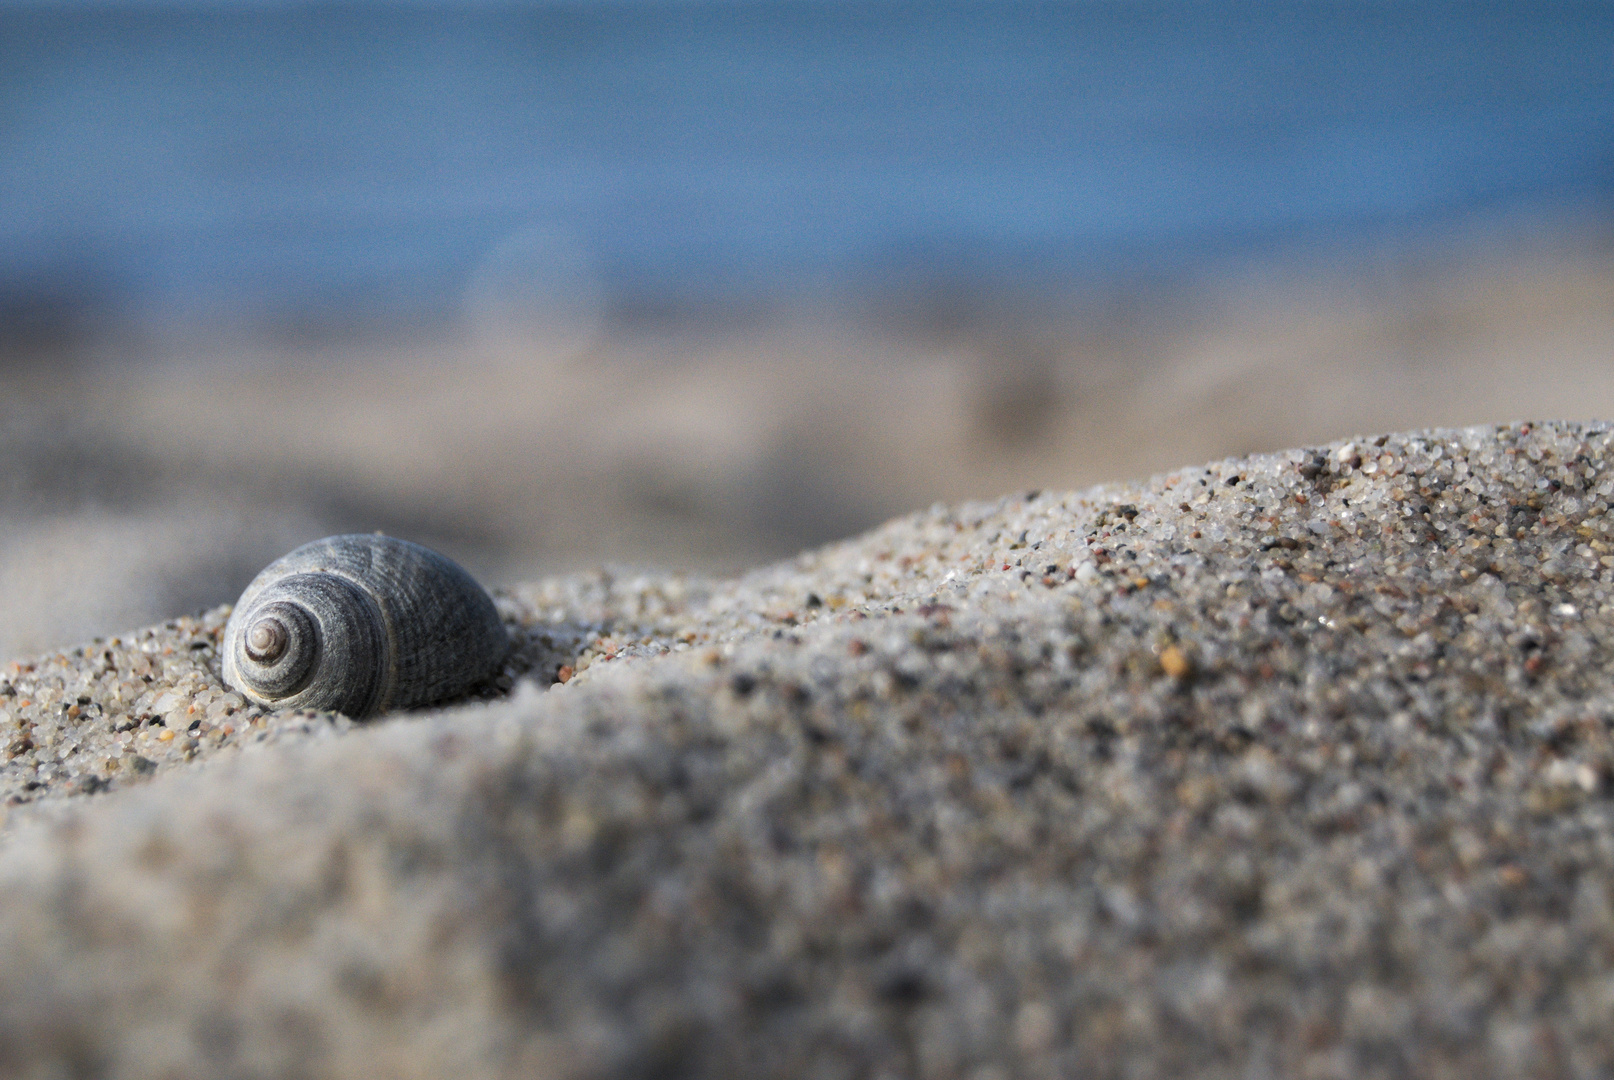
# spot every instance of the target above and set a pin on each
(361, 624)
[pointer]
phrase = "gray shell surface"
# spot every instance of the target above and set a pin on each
(361, 624)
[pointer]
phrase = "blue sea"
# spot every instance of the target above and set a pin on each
(232, 157)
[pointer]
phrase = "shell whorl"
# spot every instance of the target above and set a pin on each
(361, 624)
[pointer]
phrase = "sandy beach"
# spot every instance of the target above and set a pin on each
(1011, 541)
(1293, 765)
(152, 478)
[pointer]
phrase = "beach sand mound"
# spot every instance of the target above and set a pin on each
(1292, 765)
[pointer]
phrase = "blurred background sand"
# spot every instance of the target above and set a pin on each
(270, 272)
(144, 484)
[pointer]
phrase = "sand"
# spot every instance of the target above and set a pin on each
(1292, 765)
(146, 479)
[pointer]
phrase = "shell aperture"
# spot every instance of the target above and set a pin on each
(361, 624)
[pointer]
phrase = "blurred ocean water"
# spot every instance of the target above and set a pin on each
(220, 157)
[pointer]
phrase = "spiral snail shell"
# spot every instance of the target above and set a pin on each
(359, 625)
